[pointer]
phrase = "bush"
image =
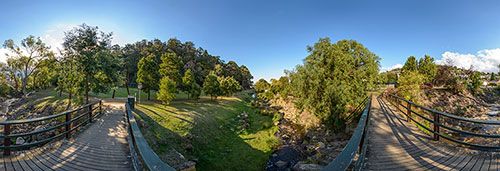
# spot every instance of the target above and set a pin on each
(167, 90)
(409, 85)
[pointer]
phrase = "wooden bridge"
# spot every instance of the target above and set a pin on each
(386, 138)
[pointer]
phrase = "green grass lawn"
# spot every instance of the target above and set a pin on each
(122, 92)
(218, 144)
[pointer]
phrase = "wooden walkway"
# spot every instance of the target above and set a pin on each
(102, 145)
(395, 144)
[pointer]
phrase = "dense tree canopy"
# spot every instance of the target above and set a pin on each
(411, 64)
(148, 74)
(428, 68)
(334, 77)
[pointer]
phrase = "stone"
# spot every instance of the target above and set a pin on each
(19, 141)
(301, 166)
(186, 166)
(321, 145)
(276, 123)
(189, 147)
(275, 155)
(281, 164)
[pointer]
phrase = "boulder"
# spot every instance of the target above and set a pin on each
(281, 164)
(20, 141)
(301, 166)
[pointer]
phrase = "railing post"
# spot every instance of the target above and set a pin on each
(68, 125)
(100, 107)
(6, 141)
(409, 111)
(90, 113)
(436, 126)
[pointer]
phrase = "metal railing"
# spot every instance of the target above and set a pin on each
(437, 122)
(148, 156)
(356, 143)
(69, 120)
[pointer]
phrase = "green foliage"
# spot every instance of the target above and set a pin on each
(167, 90)
(493, 76)
(261, 86)
(195, 91)
(409, 85)
(411, 64)
(212, 85)
(476, 82)
(333, 78)
(428, 68)
(170, 67)
(228, 86)
(148, 73)
(188, 82)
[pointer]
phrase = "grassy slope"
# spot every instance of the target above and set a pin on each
(219, 145)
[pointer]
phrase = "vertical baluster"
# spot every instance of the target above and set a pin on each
(68, 125)
(100, 107)
(436, 126)
(90, 113)
(6, 141)
(409, 111)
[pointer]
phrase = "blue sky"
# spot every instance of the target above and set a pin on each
(271, 36)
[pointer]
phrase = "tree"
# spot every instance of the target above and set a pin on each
(493, 76)
(188, 82)
(90, 49)
(246, 77)
(195, 91)
(261, 86)
(228, 85)
(409, 85)
(170, 67)
(428, 68)
(212, 85)
(333, 78)
(32, 52)
(167, 90)
(12, 72)
(148, 74)
(476, 82)
(285, 87)
(411, 64)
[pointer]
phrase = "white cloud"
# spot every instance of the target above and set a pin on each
(485, 60)
(3, 58)
(383, 69)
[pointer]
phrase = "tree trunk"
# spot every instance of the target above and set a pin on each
(24, 82)
(87, 89)
(60, 92)
(149, 92)
(34, 82)
(126, 85)
(113, 94)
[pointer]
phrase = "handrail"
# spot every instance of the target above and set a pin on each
(152, 161)
(355, 144)
(69, 127)
(394, 100)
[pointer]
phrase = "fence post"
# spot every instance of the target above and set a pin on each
(90, 113)
(100, 107)
(436, 126)
(6, 141)
(68, 125)
(409, 111)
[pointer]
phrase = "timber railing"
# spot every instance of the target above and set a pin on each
(355, 145)
(139, 144)
(66, 122)
(439, 120)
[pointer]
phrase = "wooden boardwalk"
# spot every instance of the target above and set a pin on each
(102, 145)
(395, 144)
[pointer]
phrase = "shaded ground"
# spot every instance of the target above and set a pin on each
(217, 135)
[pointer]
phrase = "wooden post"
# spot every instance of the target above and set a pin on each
(409, 112)
(100, 107)
(68, 125)
(436, 126)
(6, 141)
(90, 113)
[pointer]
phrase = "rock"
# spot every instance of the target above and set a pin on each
(301, 166)
(275, 155)
(19, 141)
(189, 147)
(321, 145)
(186, 166)
(281, 164)
(276, 123)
